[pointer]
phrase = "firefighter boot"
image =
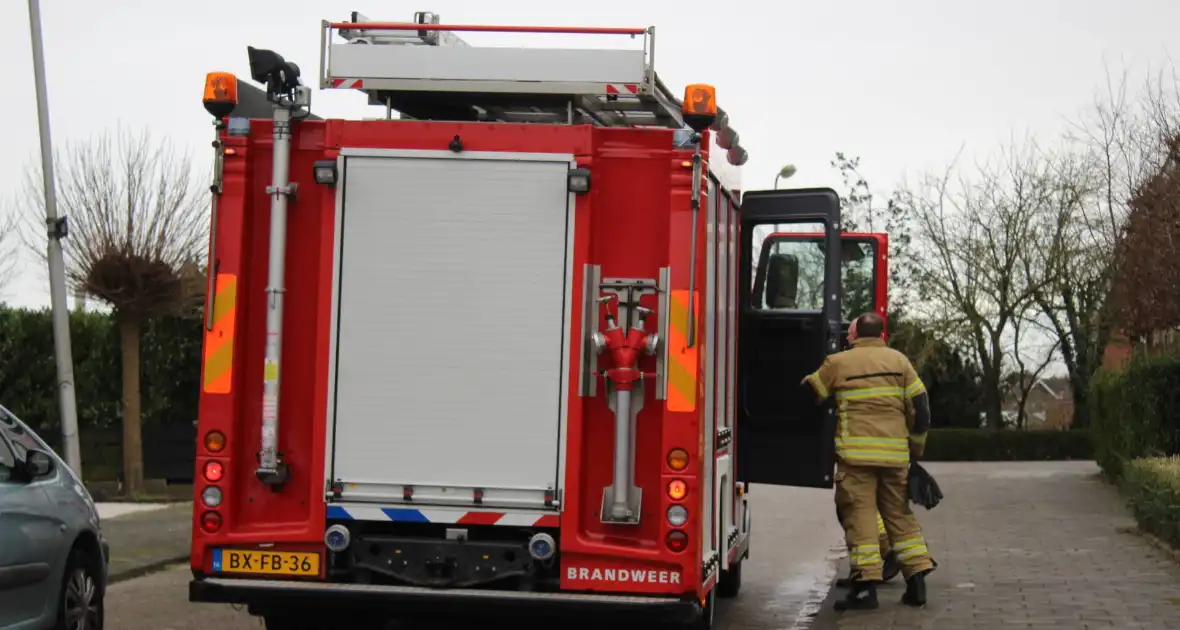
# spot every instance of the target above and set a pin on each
(915, 590)
(862, 596)
(892, 567)
(890, 571)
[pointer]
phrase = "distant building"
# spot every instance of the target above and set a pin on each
(1118, 351)
(1049, 406)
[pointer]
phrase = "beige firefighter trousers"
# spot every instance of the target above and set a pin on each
(871, 490)
(844, 505)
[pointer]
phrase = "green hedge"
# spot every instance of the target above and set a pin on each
(1152, 488)
(170, 365)
(984, 445)
(1136, 412)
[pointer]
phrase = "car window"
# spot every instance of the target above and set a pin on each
(23, 439)
(7, 461)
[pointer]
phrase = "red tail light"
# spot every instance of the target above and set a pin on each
(677, 540)
(214, 471)
(211, 522)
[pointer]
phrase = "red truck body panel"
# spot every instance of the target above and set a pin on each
(636, 220)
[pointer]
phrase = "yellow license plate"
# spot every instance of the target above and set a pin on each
(266, 562)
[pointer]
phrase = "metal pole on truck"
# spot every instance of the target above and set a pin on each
(56, 229)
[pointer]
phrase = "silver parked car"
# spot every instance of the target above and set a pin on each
(53, 559)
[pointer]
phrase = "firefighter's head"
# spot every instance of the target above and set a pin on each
(868, 326)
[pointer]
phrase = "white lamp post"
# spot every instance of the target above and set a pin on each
(784, 173)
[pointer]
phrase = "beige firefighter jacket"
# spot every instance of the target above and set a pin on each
(883, 410)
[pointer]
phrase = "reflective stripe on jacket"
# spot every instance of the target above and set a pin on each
(881, 402)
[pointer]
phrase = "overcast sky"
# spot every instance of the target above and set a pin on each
(903, 84)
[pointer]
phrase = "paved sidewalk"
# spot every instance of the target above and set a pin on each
(148, 540)
(1029, 545)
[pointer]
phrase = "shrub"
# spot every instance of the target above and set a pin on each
(1136, 412)
(982, 445)
(171, 353)
(1152, 488)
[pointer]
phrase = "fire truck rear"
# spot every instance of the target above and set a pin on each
(485, 355)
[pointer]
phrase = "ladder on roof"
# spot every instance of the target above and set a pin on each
(425, 71)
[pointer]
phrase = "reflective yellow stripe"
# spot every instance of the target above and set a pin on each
(872, 449)
(864, 555)
(910, 548)
(875, 443)
(219, 342)
(869, 392)
(919, 438)
(910, 554)
(682, 360)
(868, 454)
(818, 384)
(915, 388)
(880, 525)
(859, 456)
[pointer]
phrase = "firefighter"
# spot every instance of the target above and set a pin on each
(884, 414)
(891, 566)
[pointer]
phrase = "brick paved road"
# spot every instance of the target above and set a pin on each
(1030, 545)
(1034, 545)
(795, 547)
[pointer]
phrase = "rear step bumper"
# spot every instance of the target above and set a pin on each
(322, 596)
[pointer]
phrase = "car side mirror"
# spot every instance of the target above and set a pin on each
(38, 464)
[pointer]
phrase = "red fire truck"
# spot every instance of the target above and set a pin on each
(516, 347)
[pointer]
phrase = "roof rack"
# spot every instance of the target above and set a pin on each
(425, 71)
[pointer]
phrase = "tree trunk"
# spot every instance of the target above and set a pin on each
(994, 407)
(1081, 404)
(993, 399)
(129, 328)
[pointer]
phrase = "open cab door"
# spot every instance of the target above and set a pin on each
(864, 270)
(790, 321)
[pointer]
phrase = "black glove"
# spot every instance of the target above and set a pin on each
(923, 489)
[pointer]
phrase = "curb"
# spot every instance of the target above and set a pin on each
(1171, 552)
(151, 567)
(822, 616)
(827, 618)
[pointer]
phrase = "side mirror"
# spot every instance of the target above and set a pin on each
(38, 464)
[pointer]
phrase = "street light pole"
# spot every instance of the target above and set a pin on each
(785, 173)
(56, 229)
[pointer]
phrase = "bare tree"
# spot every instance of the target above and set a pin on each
(1099, 170)
(137, 239)
(1030, 363)
(973, 230)
(8, 249)
(861, 210)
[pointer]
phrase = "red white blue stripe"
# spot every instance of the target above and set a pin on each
(457, 516)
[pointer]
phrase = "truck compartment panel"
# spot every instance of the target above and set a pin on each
(450, 349)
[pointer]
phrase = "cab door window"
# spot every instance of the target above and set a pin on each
(790, 274)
